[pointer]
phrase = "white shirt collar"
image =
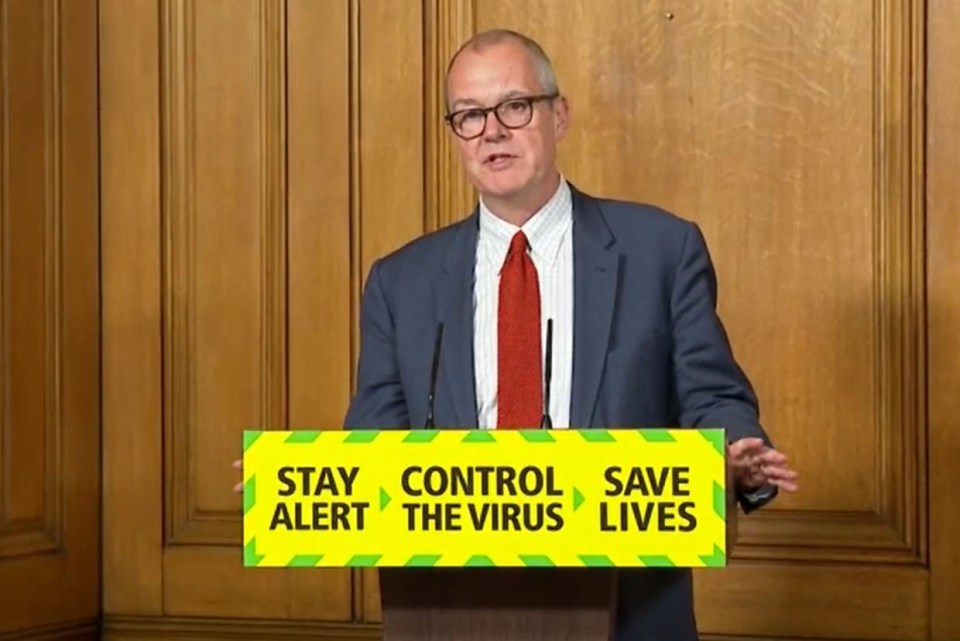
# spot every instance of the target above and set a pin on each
(544, 230)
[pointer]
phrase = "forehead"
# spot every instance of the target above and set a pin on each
(491, 73)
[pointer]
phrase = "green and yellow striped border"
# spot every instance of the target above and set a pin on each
(717, 559)
(715, 437)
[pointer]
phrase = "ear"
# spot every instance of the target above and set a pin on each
(561, 116)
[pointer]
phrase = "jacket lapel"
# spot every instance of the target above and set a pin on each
(596, 274)
(454, 304)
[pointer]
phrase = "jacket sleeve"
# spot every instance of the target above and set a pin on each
(378, 402)
(712, 389)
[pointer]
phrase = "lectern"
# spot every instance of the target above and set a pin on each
(490, 535)
(494, 604)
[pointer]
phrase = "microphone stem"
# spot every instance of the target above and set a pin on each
(546, 422)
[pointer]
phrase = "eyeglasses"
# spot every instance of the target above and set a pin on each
(512, 113)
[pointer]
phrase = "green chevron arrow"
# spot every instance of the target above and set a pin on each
(577, 499)
(384, 499)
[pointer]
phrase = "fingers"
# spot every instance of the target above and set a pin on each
(771, 457)
(753, 453)
(787, 486)
(744, 445)
(747, 455)
(782, 477)
(755, 465)
(779, 472)
(777, 475)
(238, 465)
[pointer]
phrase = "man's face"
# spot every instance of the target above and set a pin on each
(505, 163)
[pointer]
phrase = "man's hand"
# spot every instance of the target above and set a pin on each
(238, 465)
(756, 465)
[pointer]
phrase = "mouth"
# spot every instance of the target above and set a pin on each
(497, 157)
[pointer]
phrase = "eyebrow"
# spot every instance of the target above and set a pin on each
(470, 102)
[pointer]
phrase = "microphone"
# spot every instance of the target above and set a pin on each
(545, 422)
(429, 424)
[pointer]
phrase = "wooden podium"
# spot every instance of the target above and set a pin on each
(497, 604)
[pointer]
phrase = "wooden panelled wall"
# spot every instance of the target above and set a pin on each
(49, 320)
(255, 156)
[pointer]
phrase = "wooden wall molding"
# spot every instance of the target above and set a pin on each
(943, 296)
(449, 195)
(178, 190)
(854, 603)
(189, 523)
(42, 532)
(274, 217)
(85, 630)
(130, 84)
(355, 166)
(134, 628)
(116, 628)
(895, 531)
(360, 579)
(49, 318)
(737, 637)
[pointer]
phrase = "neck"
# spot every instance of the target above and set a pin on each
(520, 208)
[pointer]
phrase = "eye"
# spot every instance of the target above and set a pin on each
(472, 114)
(516, 106)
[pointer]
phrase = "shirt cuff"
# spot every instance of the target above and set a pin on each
(751, 500)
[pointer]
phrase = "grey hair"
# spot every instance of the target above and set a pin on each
(544, 68)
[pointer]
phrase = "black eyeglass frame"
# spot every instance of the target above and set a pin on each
(530, 100)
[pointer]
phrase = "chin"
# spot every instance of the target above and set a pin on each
(504, 185)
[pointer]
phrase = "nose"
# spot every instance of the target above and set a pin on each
(493, 130)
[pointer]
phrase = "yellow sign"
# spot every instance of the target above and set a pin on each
(375, 498)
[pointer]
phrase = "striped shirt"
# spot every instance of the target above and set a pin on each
(549, 233)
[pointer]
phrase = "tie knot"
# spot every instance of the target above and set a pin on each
(519, 244)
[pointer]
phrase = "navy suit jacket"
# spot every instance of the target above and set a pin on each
(648, 351)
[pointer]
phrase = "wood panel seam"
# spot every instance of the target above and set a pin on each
(119, 627)
(355, 230)
(69, 631)
(53, 303)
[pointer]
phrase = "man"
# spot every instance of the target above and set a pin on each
(630, 291)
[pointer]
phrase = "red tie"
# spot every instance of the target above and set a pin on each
(519, 393)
